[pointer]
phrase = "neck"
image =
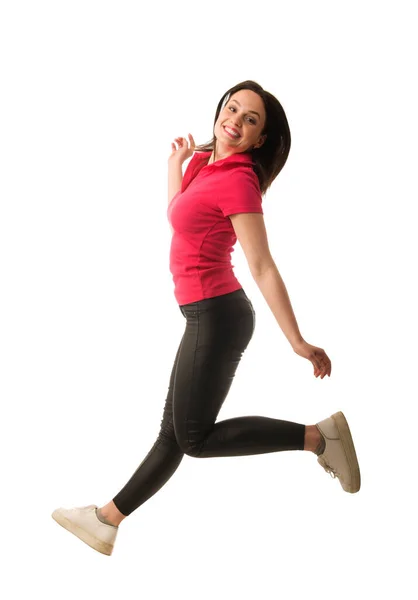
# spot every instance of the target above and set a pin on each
(219, 157)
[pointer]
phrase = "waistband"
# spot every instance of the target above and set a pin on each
(223, 299)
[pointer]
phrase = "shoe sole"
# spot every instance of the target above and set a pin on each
(85, 536)
(350, 452)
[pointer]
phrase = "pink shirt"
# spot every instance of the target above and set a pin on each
(203, 238)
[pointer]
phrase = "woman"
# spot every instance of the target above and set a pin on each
(217, 202)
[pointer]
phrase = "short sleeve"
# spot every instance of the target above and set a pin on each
(192, 167)
(188, 173)
(240, 193)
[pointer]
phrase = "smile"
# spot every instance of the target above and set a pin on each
(231, 133)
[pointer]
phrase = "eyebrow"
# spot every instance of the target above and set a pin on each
(251, 111)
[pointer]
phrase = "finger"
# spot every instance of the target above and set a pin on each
(326, 365)
(327, 369)
(323, 360)
(318, 363)
(322, 370)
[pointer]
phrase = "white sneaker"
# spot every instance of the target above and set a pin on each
(84, 523)
(339, 457)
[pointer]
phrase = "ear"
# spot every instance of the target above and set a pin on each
(260, 141)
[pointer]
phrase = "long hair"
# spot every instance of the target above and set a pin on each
(271, 157)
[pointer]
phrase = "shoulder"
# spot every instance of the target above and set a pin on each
(244, 177)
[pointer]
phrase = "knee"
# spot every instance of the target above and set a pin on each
(191, 449)
(193, 438)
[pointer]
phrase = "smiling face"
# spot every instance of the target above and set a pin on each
(245, 114)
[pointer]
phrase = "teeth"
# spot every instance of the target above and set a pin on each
(231, 132)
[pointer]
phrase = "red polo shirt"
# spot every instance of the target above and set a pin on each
(203, 238)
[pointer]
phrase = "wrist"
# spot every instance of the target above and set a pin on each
(297, 343)
(175, 160)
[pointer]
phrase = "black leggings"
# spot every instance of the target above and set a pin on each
(217, 332)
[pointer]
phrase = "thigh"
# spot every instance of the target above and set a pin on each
(166, 427)
(217, 333)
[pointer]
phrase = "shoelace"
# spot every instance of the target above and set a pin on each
(331, 471)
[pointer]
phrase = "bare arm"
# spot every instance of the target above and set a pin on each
(175, 160)
(252, 235)
(275, 293)
(175, 178)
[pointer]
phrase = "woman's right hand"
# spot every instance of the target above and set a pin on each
(183, 152)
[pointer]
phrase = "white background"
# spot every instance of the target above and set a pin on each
(93, 93)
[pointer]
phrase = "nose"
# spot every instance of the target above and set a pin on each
(236, 120)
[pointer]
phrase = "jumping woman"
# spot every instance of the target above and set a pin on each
(216, 202)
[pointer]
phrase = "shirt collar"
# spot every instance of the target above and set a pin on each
(238, 157)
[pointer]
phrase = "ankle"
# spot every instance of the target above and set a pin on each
(314, 441)
(111, 513)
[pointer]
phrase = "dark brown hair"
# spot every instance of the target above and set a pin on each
(271, 157)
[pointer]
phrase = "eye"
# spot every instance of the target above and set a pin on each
(253, 121)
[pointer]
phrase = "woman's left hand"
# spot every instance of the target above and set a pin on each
(317, 356)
